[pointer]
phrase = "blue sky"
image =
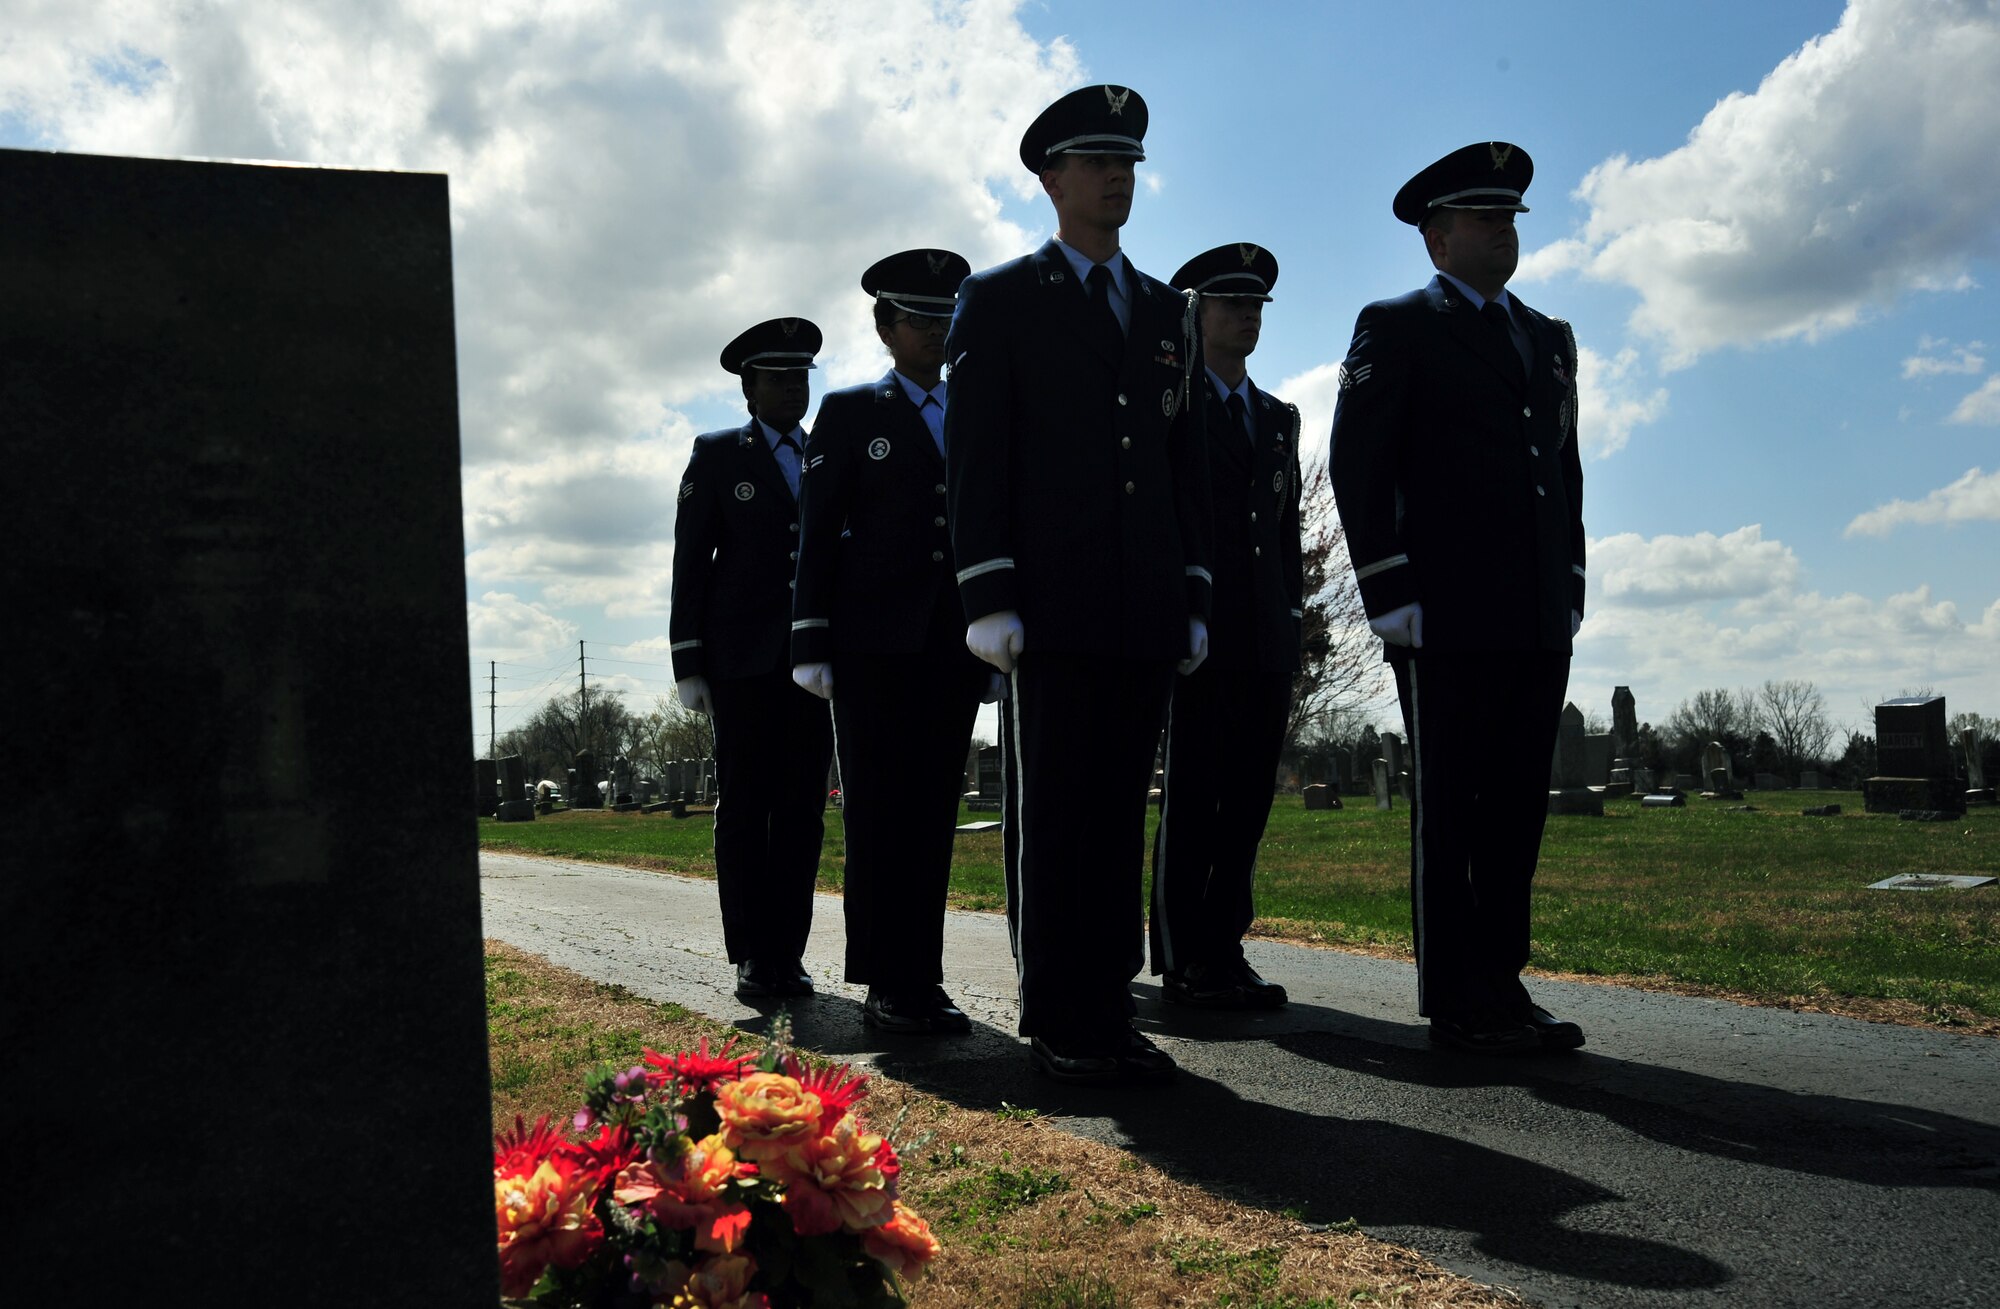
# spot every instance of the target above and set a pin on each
(1776, 228)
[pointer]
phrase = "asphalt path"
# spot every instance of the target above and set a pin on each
(1695, 1152)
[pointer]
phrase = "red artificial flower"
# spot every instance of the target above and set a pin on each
(698, 1070)
(516, 1153)
(545, 1216)
(838, 1087)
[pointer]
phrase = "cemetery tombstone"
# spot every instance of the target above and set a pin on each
(231, 409)
(485, 787)
(1810, 780)
(584, 779)
(515, 805)
(1977, 790)
(1913, 754)
(987, 797)
(1317, 796)
(1569, 792)
(1598, 752)
(1382, 792)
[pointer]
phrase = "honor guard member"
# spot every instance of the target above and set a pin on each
(1080, 524)
(1226, 723)
(1456, 473)
(877, 628)
(736, 542)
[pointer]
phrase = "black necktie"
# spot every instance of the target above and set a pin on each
(1104, 320)
(1241, 413)
(1495, 315)
(791, 468)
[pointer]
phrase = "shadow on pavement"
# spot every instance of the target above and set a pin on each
(1336, 1164)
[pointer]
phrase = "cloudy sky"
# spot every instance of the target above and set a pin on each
(1776, 229)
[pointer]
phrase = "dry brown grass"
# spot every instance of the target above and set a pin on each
(1029, 1215)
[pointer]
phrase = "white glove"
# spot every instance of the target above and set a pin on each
(996, 689)
(693, 692)
(1575, 624)
(817, 678)
(1404, 626)
(996, 638)
(1197, 643)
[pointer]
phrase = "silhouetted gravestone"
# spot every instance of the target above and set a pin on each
(583, 793)
(1913, 759)
(1318, 796)
(1383, 795)
(1568, 792)
(485, 787)
(233, 506)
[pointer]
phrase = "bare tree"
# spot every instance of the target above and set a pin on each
(1715, 715)
(671, 731)
(562, 727)
(1340, 670)
(1794, 713)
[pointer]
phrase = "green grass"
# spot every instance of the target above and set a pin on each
(1768, 903)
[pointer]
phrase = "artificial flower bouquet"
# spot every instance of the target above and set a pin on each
(707, 1180)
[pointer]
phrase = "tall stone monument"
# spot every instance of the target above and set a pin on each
(1913, 754)
(1977, 789)
(1623, 778)
(1569, 791)
(233, 498)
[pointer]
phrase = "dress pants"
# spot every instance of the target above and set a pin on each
(1483, 729)
(1078, 736)
(902, 724)
(773, 745)
(1225, 730)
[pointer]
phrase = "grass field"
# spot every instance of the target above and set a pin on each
(1764, 904)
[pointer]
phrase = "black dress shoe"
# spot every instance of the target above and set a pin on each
(1484, 1032)
(1553, 1032)
(1257, 992)
(920, 1009)
(763, 979)
(1143, 1062)
(1068, 1061)
(1221, 986)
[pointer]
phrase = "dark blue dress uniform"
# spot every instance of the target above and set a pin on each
(1456, 473)
(1226, 724)
(1078, 484)
(878, 598)
(736, 534)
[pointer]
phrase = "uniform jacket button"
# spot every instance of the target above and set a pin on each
(1253, 515)
(1257, 550)
(1540, 491)
(937, 556)
(795, 556)
(792, 526)
(1534, 449)
(793, 585)
(1130, 487)
(940, 488)
(1527, 412)
(937, 522)
(1125, 443)
(1121, 398)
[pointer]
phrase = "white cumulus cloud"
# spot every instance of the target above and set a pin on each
(1860, 170)
(1982, 407)
(1652, 572)
(1957, 359)
(1973, 498)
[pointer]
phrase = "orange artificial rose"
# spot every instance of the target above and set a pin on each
(722, 1282)
(544, 1217)
(764, 1112)
(834, 1181)
(904, 1244)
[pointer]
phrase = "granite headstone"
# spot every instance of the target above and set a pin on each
(233, 468)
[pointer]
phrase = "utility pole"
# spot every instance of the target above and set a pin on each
(582, 700)
(492, 698)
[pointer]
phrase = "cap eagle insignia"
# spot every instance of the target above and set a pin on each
(1501, 154)
(1249, 253)
(937, 259)
(789, 326)
(1116, 98)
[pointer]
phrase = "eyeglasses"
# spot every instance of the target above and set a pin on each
(923, 322)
